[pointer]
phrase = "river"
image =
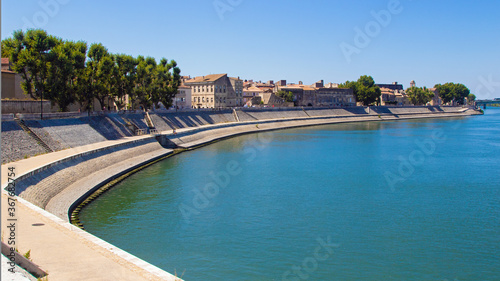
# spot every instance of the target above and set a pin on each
(403, 200)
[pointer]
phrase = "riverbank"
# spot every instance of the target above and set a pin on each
(122, 156)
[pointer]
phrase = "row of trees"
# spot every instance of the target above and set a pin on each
(368, 93)
(64, 72)
(453, 92)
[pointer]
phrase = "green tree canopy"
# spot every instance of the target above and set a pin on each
(124, 78)
(29, 54)
(471, 97)
(64, 72)
(452, 92)
(99, 73)
(169, 79)
(146, 87)
(419, 96)
(287, 96)
(364, 89)
(67, 60)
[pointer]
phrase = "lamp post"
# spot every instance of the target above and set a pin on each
(41, 105)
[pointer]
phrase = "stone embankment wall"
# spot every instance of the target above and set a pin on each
(53, 180)
(79, 130)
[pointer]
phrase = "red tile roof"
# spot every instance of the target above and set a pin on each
(206, 78)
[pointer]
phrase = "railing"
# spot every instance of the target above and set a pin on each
(149, 122)
(28, 116)
(8, 117)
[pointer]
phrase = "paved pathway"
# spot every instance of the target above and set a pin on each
(63, 250)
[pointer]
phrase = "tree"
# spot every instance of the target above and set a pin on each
(461, 92)
(125, 75)
(287, 96)
(146, 86)
(452, 92)
(364, 90)
(63, 72)
(99, 73)
(67, 59)
(169, 79)
(444, 92)
(419, 96)
(471, 98)
(29, 53)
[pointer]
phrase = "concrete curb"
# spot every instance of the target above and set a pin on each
(107, 246)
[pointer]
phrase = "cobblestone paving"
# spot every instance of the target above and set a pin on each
(109, 127)
(41, 187)
(44, 135)
(136, 119)
(17, 144)
(71, 132)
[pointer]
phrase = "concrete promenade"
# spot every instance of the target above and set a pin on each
(69, 253)
(63, 250)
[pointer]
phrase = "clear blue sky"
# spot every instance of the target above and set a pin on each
(426, 41)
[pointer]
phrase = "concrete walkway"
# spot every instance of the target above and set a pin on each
(63, 250)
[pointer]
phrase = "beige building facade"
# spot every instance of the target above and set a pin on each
(251, 92)
(215, 91)
(11, 83)
(317, 94)
(183, 98)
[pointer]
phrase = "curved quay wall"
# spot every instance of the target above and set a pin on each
(43, 190)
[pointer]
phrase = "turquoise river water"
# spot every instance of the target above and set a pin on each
(404, 200)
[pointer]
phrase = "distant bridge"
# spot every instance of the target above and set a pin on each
(483, 103)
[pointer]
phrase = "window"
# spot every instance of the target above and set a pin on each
(203, 99)
(211, 99)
